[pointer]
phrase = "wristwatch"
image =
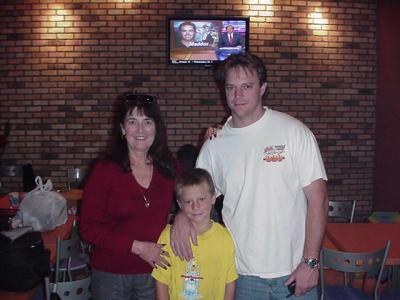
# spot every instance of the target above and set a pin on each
(313, 263)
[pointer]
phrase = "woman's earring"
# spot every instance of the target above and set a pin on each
(123, 136)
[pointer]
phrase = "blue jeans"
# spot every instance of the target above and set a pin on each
(256, 288)
(110, 286)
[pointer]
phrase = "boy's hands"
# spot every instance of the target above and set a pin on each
(181, 230)
(152, 253)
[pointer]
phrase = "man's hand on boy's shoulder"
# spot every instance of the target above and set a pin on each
(182, 231)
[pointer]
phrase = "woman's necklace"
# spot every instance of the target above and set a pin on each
(146, 201)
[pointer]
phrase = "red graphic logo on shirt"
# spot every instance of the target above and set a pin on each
(274, 153)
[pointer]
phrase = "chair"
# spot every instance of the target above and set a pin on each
(72, 290)
(369, 263)
(69, 258)
(85, 247)
(342, 210)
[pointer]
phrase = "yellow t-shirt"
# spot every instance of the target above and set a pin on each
(206, 275)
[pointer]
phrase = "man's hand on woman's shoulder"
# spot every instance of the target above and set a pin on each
(211, 132)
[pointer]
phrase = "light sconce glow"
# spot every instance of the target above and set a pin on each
(267, 2)
(259, 3)
(316, 18)
(126, 1)
(62, 12)
(318, 23)
(57, 20)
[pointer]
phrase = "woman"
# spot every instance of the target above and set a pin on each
(126, 203)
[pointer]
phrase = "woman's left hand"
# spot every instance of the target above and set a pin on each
(152, 253)
(211, 132)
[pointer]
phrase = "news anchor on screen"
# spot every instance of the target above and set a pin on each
(230, 38)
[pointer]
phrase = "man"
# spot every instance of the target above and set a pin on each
(187, 32)
(231, 38)
(205, 36)
(269, 168)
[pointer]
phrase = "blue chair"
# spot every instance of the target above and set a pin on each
(72, 290)
(362, 264)
(69, 258)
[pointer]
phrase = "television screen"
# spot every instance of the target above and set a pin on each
(204, 40)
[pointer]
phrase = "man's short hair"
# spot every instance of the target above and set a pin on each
(195, 176)
(227, 26)
(187, 23)
(246, 61)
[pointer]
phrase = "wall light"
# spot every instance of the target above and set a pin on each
(58, 19)
(318, 23)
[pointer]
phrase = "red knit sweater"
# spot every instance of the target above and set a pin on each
(113, 215)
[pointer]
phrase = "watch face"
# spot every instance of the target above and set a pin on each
(312, 262)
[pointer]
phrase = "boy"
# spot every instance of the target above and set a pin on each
(211, 273)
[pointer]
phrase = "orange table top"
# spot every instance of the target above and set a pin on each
(365, 237)
(5, 202)
(327, 243)
(74, 194)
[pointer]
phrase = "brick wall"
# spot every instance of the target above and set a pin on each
(63, 64)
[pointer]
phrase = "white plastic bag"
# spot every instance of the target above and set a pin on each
(42, 208)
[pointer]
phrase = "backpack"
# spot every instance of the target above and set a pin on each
(24, 262)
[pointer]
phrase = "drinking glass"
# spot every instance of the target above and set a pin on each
(75, 176)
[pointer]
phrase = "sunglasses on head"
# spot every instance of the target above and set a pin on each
(134, 99)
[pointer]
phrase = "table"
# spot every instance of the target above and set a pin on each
(73, 198)
(366, 237)
(73, 195)
(327, 243)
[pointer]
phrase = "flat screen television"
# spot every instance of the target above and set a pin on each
(205, 40)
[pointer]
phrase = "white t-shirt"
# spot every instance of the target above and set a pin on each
(261, 170)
